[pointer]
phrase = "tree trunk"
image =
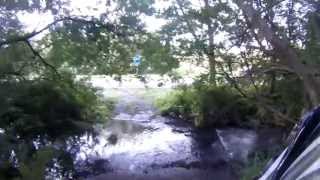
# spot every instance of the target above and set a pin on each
(284, 52)
(211, 47)
(211, 57)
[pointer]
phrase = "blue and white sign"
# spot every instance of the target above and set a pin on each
(137, 60)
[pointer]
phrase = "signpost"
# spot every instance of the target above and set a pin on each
(136, 61)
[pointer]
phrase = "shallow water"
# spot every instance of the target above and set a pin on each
(140, 144)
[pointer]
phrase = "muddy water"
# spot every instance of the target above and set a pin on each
(140, 144)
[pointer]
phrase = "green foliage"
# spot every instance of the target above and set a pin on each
(35, 167)
(180, 103)
(311, 55)
(44, 110)
(51, 107)
(207, 105)
(34, 102)
(29, 5)
(255, 166)
(287, 98)
(136, 6)
(158, 57)
(96, 51)
(84, 49)
(26, 163)
(15, 61)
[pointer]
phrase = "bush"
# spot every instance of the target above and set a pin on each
(52, 107)
(179, 103)
(41, 111)
(207, 106)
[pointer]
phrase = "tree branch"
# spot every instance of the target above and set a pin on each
(258, 99)
(232, 81)
(43, 61)
(26, 37)
(192, 31)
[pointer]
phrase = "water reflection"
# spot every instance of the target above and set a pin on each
(138, 141)
(142, 143)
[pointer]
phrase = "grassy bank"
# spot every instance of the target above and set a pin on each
(221, 106)
(207, 106)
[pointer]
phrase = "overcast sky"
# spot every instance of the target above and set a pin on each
(34, 21)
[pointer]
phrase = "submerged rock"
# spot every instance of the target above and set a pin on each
(113, 139)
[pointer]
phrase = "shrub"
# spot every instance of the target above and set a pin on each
(178, 103)
(42, 111)
(207, 106)
(52, 108)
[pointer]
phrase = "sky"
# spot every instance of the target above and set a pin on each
(35, 21)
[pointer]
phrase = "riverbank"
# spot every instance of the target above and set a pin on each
(138, 143)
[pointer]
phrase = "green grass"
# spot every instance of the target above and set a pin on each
(255, 166)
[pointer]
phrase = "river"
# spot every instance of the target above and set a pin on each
(138, 143)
